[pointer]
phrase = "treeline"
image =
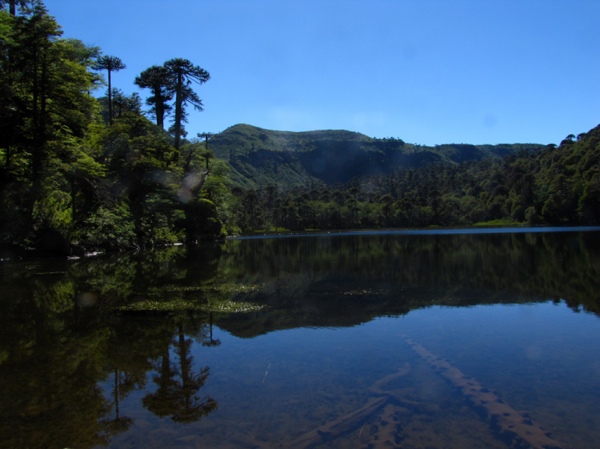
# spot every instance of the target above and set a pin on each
(558, 186)
(80, 172)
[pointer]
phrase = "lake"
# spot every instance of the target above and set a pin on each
(414, 339)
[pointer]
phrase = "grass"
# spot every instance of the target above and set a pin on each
(502, 222)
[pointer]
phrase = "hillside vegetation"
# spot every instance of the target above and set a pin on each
(261, 157)
(528, 185)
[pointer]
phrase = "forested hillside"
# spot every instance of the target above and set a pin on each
(261, 157)
(558, 185)
(84, 167)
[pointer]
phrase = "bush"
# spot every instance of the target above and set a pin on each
(107, 229)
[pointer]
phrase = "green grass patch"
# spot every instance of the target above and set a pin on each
(501, 222)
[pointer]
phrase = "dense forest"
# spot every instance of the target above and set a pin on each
(84, 166)
(552, 185)
(260, 157)
(79, 172)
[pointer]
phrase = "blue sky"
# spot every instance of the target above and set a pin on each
(426, 71)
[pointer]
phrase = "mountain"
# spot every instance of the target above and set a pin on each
(260, 157)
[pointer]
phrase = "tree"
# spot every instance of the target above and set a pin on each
(36, 58)
(123, 104)
(12, 5)
(182, 73)
(110, 64)
(156, 78)
(66, 173)
(45, 111)
(589, 202)
(206, 154)
(139, 163)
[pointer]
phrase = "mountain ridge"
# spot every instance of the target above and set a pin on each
(259, 157)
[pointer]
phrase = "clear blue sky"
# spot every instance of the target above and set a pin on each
(426, 71)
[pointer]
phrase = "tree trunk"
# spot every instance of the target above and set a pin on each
(178, 114)
(160, 113)
(110, 111)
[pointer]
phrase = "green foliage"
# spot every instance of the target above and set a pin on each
(93, 171)
(554, 186)
(107, 228)
(110, 64)
(46, 109)
(181, 73)
(497, 223)
(201, 220)
(261, 157)
(156, 78)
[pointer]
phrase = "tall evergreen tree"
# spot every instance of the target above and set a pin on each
(12, 5)
(156, 78)
(110, 64)
(47, 107)
(183, 73)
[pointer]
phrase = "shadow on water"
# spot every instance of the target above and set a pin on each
(78, 338)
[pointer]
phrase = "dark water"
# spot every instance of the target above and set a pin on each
(448, 340)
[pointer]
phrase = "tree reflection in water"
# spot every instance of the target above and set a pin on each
(57, 351)
(118, 424)
(211, 341)
(176, 396)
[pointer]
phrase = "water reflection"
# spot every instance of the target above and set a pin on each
(55, 355)
(178, 387)
(339, 280)
(73, 349)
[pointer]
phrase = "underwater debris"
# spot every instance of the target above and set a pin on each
(515, 428)
(512, 426)
(340, 426)
(351, 421)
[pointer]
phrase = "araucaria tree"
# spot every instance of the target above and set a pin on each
(182, 74)
(110, 64)
(12, 5)
(157, 79)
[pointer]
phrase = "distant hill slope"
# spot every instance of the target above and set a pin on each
(261, 157)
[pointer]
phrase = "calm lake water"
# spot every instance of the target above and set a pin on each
(366, 340)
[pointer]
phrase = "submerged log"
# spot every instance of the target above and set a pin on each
(512, 426)
(340, 426)
(351, 421)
